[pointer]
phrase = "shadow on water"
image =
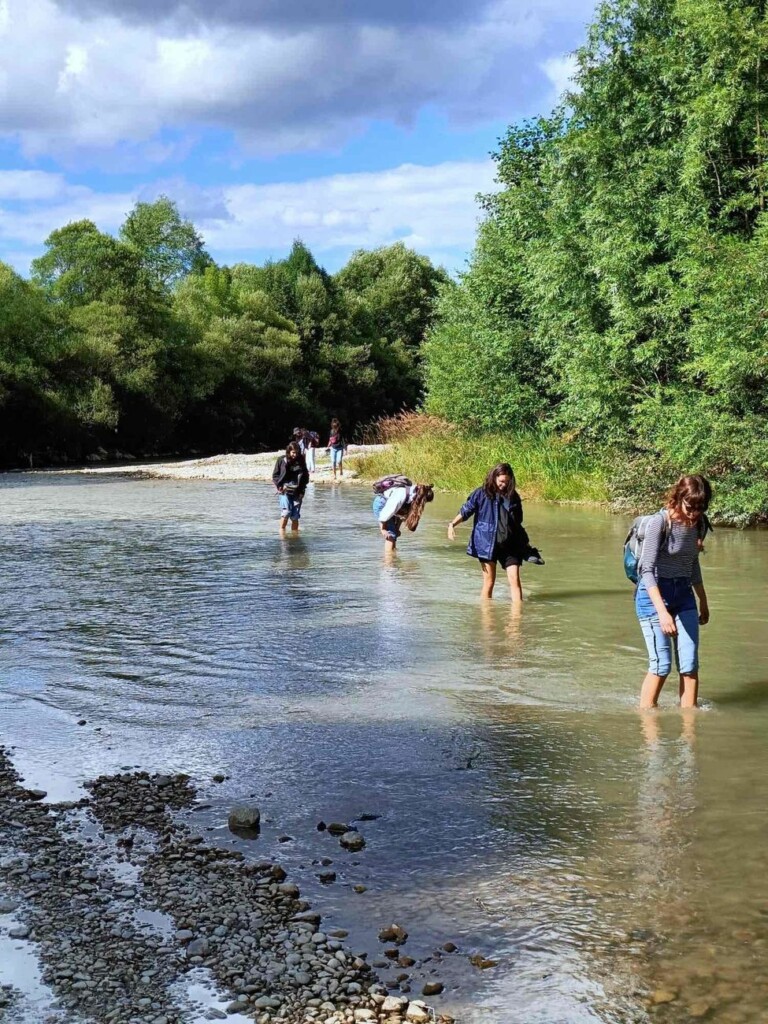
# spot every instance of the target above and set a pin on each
(550, 594)
(753, 694)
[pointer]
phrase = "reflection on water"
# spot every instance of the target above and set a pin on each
(611, 865)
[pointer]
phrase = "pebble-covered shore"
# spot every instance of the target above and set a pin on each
(122, 902)
(230, 466)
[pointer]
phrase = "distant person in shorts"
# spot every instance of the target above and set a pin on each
(498, 535)
(337, 445)
(290, 477)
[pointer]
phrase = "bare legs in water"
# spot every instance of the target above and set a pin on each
(489, 581)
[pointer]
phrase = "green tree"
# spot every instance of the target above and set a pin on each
(243, 361)
(398, 287)
(620, 262)
(167, 246)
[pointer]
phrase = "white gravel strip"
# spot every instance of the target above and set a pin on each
(230, 467)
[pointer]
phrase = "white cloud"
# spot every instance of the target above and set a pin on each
(561, 72)
(433, 209)
(72, 84)
(437, 205)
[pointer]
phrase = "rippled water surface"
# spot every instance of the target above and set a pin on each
(527, 813)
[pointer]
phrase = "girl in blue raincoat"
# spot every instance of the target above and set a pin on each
(498, 535)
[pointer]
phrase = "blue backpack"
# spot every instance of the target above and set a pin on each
(635, 539)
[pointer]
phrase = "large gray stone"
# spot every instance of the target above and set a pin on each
(244, 817)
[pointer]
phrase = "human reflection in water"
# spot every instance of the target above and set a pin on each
(666, 798)
(292, 552)
(662, 897)
(501, 629)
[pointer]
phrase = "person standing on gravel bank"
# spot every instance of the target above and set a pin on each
(311, 442)
(290, 477)
(337, 445)
(497, 530)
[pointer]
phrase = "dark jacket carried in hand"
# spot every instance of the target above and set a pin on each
(485, 510)
(291, 477)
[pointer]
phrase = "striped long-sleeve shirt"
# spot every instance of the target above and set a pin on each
(669, 553)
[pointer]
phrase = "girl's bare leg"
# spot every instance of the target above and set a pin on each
(390, 543)
(650, 690)
(294, 525)
(283, 524)
(515, 589)
(489, 579)
(689, 690)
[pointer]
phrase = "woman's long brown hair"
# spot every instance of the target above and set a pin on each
(424, 493)
(695, 490)
(503, 468)
(294, 452)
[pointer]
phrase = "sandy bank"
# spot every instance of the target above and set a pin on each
(230, 467)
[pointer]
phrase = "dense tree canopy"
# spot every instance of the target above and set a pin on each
(141, 344)
(619, 288)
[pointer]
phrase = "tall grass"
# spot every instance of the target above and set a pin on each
(548, 467)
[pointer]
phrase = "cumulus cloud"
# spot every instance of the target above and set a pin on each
(280, 75)
(432, 209)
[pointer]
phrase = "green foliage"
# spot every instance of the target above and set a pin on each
(549, 468)
(167, 246)
(397, 287)
(142, 344)
(618, 288)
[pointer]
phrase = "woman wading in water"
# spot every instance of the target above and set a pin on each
(290, 478)
(497, 530)
(669, 575)
(399, 504)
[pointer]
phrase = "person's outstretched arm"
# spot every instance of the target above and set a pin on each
(467, 509)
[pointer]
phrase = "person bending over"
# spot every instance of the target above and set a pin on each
(401, 504)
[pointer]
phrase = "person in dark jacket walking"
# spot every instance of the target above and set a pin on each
(497, 534)
(290, 478)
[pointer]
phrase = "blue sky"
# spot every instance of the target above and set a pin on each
(349, 123)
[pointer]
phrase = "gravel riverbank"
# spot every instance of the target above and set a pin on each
(127, 908)
(230, 467)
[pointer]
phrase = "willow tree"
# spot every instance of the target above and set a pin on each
(628, 238)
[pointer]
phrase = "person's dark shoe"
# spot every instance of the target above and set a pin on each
(533, 555)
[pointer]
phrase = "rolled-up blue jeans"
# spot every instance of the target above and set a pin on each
(290, 507)
(680, 602)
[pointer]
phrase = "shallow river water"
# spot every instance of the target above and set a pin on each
(600, 859)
